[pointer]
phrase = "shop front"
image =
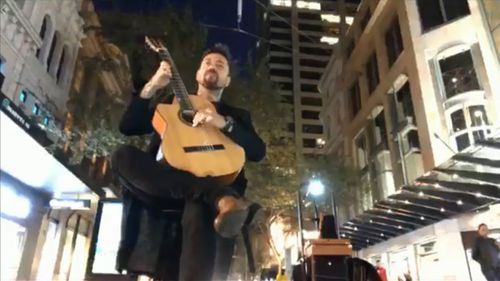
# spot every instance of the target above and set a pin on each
(42, 236)
(427, 229)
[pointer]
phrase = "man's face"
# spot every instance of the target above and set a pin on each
(213, 73)
(483, 230)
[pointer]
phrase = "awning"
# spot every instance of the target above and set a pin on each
(25, 159)
(468, 182)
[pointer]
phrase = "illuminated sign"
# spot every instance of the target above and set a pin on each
(22, 120)
(15, 113)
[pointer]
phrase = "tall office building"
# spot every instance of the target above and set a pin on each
(412, 101)
(302, 36)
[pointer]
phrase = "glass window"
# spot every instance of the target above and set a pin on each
(393, 41)
(312, 129)
(462, 141)
(23, 96)
(458, 120)
(478, 115)
(380, 130)
(355, 98)
(3, 65)
(436, 12)
(458, 74)
(372, 73)
(404, 103)
(308, 114)
(36, 109)
(361, 151)
(309, 143)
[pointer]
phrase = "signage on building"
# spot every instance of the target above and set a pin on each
(20, 118)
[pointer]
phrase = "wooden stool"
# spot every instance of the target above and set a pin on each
(326, 259)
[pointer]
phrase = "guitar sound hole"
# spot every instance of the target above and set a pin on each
(187, 116)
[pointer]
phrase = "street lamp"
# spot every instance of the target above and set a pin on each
(315, 188)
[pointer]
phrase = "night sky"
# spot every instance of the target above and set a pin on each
(212, 12)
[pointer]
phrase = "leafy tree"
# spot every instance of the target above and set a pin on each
(274, 180)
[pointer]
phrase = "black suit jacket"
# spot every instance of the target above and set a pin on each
(137, 121)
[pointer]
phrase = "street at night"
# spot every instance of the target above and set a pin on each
(250, 140)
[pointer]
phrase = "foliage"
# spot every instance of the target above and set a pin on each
(273, 180)
(95, 111)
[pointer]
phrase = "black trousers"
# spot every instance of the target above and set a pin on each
(491, 273)
(161, 186)
(160, 183)
(205, 254)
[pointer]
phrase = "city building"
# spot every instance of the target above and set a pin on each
(302, 35)
(411, 100)
(48, 207)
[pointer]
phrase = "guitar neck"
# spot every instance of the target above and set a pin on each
(176, 83)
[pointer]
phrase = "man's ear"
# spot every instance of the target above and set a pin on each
(228, 81)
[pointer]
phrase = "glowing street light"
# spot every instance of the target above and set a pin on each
(316, 188)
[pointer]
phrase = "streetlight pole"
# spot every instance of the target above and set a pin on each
(302, 259)
(299, 216)
(334, 212)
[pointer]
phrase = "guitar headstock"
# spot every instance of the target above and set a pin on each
(156, 45)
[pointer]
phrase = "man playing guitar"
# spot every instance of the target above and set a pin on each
(148, 176)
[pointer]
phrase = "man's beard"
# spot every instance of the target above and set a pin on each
(211, 80)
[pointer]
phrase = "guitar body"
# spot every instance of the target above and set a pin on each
(203, 150)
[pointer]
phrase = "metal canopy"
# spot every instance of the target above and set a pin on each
(467, 182)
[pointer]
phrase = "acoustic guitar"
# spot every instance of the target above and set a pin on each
(202, 150)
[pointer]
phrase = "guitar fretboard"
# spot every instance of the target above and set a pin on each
(176, 83)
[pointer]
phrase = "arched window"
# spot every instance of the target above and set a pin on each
(62, 63)
(44, 31)
(53, 45)
(457, 71)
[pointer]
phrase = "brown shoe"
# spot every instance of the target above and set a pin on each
(233, 213)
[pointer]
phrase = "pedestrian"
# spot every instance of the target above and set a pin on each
(381, 270)
(485, 252)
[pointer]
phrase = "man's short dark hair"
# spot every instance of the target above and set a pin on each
(481, 224)
(220, 49)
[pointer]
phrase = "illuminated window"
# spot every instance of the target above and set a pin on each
(336, 18)
(36, 109)
(329, 40)
(22, 96)
(469, 123)
(2, 65)
(309, 5)
(285, 3)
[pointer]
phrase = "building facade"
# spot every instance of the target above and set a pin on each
(302, 35)
(416, 83)
(47, 213)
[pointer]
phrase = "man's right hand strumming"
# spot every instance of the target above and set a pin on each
(159, 80)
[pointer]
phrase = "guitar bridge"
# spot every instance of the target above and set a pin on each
(203, 148)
